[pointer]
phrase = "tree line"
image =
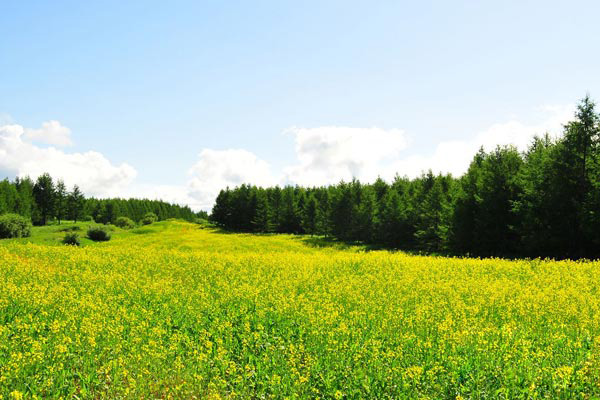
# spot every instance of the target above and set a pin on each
(45, 199)
(544, 202)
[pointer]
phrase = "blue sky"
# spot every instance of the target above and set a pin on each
(175, 99)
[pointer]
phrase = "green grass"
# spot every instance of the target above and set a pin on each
(52, 235)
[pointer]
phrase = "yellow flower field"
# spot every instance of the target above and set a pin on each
(183, 312)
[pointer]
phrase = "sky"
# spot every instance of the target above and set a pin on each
(179, 99)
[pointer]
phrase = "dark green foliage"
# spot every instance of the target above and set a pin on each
(14, 226)
(392, 228)
(290, 216)
(545, 202)
(309, 215)
(8, 197)
(71, 239)
(125, 223)
(25, 200)
(149, 218)
(70, 229)
(485, 221)
(60, 203)
(221, 212)
(342, 211)
(261, 221)
(75, 204)
(108, 213)
(432, 212)
(98, 234)
(44, 194)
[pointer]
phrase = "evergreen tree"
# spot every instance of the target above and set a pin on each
(463, 235)
(366, 216)
(44, 195)
(342, 210)
(391, 227)
(25, 200)
(322, 219)
(221, 212)
(261, 222)
(75, 204)
(290, 219)
(432, 219)
(108, 213)
(309, 215)
(60, 207)
(8, 197)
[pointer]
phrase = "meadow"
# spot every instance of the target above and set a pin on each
(175, 310)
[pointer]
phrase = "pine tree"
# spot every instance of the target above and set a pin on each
(309, 215)
(221, 212)
(60, 208)
(44, 195)
(25, 201)
(390, 229)
(75, 204)
(261, 222)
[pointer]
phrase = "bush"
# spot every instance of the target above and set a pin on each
(98, 234)
(149, 218)
(71, 239)
(87, 218)
(70, 229)
(14, 226)
(125, 223)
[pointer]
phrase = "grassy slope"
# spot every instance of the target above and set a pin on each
(174, 310)
(181, 235)
(52, 235)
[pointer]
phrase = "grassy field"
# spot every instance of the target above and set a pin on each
(172, 310)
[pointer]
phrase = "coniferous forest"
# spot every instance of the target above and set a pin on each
(544, 202)
(44, 200)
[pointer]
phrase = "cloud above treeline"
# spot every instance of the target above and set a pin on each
(92, 171)
(324, 155)
(328, 154)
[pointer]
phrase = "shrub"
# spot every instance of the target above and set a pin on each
(87, 218)
(14, 226)
(70, 229)
(98, 234)
(125, 223)
(71, 239)
(149, 218)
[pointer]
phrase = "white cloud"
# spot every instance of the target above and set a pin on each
(93, 172)
(455, 156)
(51, 132)
(217, 169)
(330, 153)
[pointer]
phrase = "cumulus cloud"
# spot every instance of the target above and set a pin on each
(93, 172)
(330, 153)
(455, 156)
(217, 169)
(51, 132)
